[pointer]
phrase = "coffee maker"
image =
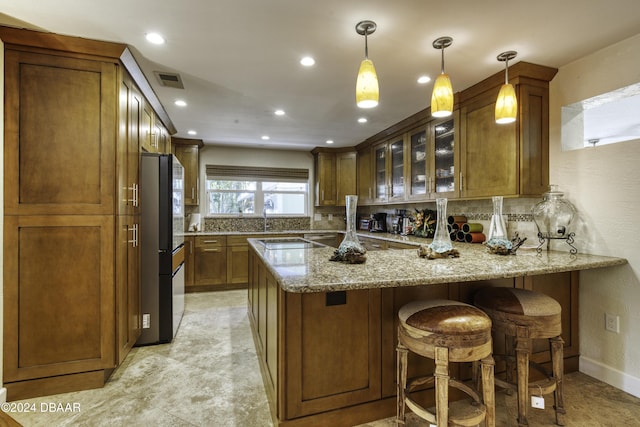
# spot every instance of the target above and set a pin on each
(379, 223)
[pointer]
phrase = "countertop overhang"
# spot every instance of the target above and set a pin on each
(309, 270)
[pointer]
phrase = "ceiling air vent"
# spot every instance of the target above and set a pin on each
(169, 79)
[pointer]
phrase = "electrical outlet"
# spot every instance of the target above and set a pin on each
(146, 321)
(612, 323)
(330, 217)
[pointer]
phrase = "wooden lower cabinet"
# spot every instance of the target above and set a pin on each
(329, 358)
(57, 260)
(219, 262)
(210, 261)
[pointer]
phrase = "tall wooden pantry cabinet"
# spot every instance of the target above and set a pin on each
(71, 220)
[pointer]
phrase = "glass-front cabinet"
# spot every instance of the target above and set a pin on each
(445, 158)
(419, 179)
(396, 189)
(380, 172)
(389, 170)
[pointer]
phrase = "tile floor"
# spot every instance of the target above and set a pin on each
(209, 376)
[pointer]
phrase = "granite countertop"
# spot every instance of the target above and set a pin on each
(257, 233)
(309, 270)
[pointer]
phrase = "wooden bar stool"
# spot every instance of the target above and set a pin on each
(524, 315)
(446, 331)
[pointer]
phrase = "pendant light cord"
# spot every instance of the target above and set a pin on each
(506, 73)
(366, 45)
(442, 62)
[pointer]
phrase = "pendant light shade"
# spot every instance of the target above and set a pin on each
(507, 103)
(367, 91)
(442, 95)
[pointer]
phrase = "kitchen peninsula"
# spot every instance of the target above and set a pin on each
(325, 331)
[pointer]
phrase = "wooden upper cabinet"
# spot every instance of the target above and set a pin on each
(506, 159)
(189, 157)
(364, 176)
(52, 105)
(325, 179)
(345, 176)
(335, 176)
(444, 157)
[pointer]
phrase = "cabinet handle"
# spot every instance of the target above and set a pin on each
(322, 197)
(190, 247)
(460, 180)
(375, 246)
(369, 192)
(192, 193)
(134, 235)
(134, 195)
(209, 241)
(211, 250)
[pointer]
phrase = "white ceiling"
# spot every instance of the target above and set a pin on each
(239, 58)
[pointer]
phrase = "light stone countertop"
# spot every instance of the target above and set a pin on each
(309, 270)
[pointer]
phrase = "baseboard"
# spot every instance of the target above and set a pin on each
(611, 376)
(3, 395)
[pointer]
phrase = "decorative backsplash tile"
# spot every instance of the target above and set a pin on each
(249, 224)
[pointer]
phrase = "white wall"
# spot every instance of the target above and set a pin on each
(604, 185)
(224, 155)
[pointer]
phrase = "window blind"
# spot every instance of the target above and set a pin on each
(256, 173)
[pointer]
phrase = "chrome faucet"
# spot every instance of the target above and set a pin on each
(264, 215)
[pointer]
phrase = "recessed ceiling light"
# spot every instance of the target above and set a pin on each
(155, 38)
(362, 120)
(192, 132)
(329, 141)
(279, 112)
(424, 79)
(180, 103)
(265, 137)
(307, 61)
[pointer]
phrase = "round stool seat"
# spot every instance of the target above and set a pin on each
(510, 307)
(444, 323)
(446, 331)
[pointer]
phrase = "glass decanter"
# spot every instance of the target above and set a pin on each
(350, 240)
(441, 241)
(498, 228)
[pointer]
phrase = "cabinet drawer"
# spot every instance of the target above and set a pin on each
(211, 241)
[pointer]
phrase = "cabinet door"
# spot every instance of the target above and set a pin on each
(345, 176)
(444, 150)
(418, 156)
(396, 165)
(489, 156)
(380, 173)
(58, 295)
(238, 264)
(365, 177)
(148, 142)
(210, 266)
(325, 179)
(128, 146)
(189, 156)
(60, 113)
(128, 310)
(189, 261)
(332, 350)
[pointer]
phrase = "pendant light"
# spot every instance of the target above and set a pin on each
(442, 96)
(506, 104)
(367, 92)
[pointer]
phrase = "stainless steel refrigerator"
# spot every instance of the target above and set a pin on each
(162, 247)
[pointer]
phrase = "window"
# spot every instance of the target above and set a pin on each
(233, 190)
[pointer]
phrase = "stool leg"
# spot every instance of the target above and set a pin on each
(401, 382)
(523, 344)
(509, 364)
(557, 357)
(442, 386)
(488, 391)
